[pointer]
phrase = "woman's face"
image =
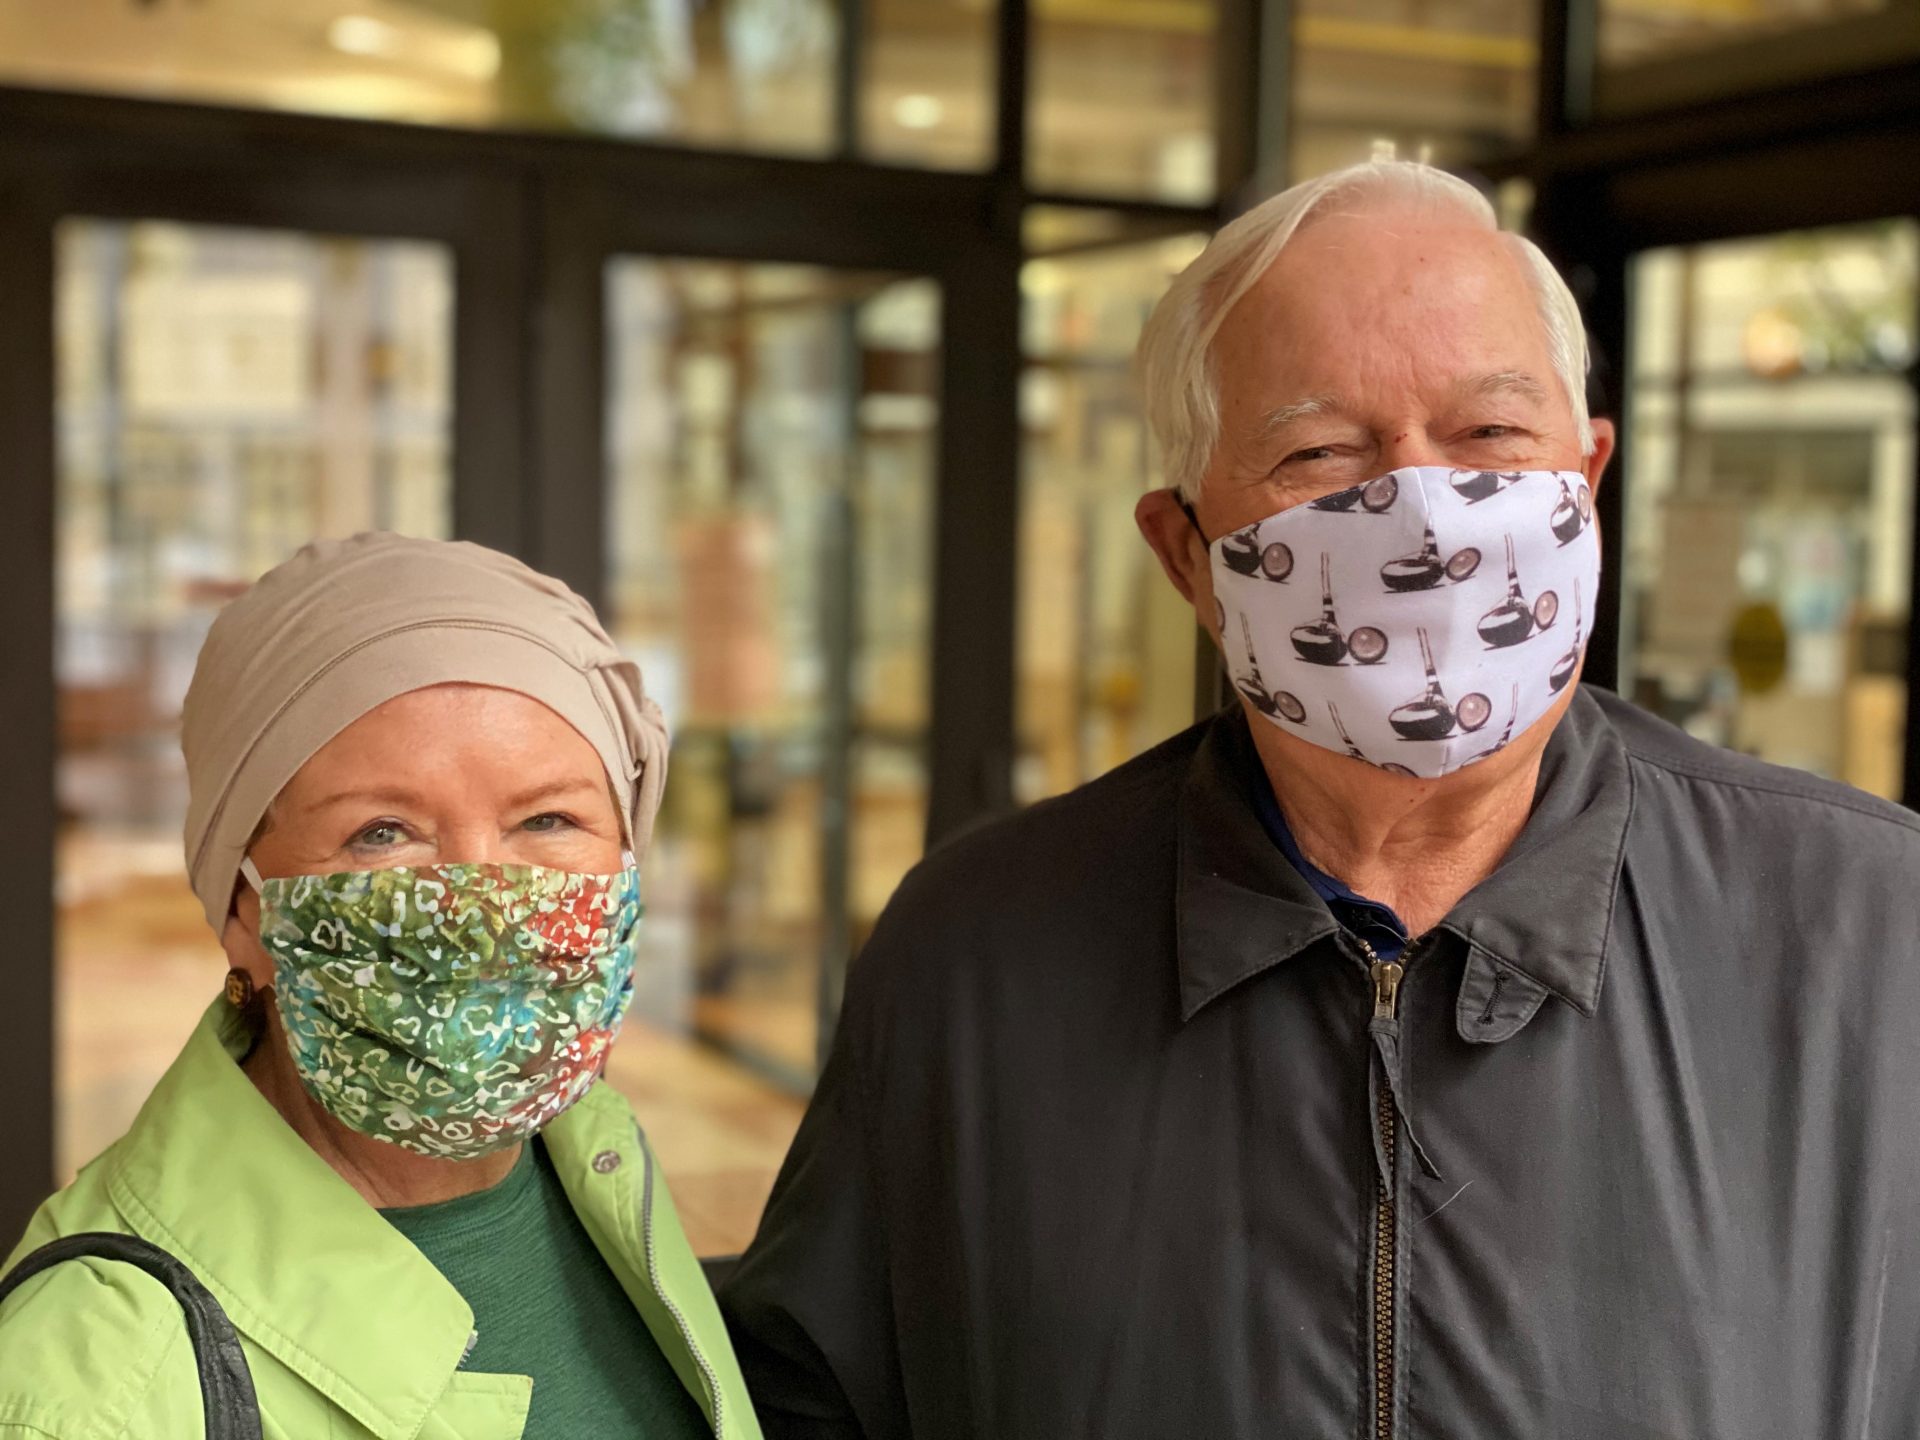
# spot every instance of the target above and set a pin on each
(449, 773)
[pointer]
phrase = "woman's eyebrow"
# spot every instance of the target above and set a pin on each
(553, 789)
(396, 795)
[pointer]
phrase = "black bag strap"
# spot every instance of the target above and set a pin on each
(226, 1385)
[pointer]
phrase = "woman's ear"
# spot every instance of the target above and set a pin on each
(240, 938)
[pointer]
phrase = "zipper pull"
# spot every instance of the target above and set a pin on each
(1386, 988)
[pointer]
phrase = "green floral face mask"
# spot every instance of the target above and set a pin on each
(450, 1009)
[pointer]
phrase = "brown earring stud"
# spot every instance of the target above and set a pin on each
(239, 989)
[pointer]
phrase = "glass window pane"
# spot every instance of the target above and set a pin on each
(771, 441)
(1632, 31)
(751, 74)
(1770, 513)
(1122, 98)
(1451, 81)
(928, 90)
(223, 397)
(1106, 647)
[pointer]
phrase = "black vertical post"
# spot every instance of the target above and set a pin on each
(841, 544)
(976, 535)
(491, 458)
(848, 71)
(1910, 772)
(1606, 277)
(565, 484)
(27, 808)
(1569, 53)
(1010, 135)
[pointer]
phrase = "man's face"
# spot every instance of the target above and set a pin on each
(1390, 336)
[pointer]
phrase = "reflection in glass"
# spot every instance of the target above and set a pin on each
(748, 74)
(928, 89)
(1106, 646)
(1637, 30)
(1122, 98)
(770, 434)
(1450, 81)
(223, 397)
(1769, 535)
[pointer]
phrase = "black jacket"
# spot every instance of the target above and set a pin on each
(1094, 1154)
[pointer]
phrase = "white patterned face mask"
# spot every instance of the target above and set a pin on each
(1417, 622)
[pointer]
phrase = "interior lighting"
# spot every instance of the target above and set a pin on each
(363, 35)
(918, 112)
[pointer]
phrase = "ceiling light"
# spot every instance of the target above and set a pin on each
(918, 112)
(363, 35)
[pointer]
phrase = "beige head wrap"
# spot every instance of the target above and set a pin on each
(346, 625)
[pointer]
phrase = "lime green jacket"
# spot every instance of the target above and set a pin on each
(349, 1330)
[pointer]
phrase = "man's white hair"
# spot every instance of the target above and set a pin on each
(1175, 358)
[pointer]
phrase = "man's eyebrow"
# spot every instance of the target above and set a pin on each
(1504, 380)
(1281, 416)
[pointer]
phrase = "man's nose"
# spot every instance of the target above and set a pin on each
(1408, 445)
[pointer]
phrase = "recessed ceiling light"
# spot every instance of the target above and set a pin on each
(363, 35)
(918, 112)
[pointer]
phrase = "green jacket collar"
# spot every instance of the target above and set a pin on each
(309, 1272)
(210, 1171)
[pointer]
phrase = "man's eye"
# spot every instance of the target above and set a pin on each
(1312, 452)
(1493, 432)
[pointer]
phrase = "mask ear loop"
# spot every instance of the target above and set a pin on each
(251, 873)
(1186, 509)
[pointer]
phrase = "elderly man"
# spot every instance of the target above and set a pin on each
(1424, 1046)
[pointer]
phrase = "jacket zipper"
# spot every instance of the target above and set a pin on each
(1386, 975)
(679, 1318)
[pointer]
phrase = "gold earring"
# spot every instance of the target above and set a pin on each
(239, 989)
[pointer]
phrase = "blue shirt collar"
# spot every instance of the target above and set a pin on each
(1368, 919)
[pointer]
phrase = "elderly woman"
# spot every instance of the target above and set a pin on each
(420, 777)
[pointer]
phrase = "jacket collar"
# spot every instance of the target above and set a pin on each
(303, 1266)
(1546, 913)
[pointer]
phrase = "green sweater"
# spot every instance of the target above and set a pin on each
(546, 1305)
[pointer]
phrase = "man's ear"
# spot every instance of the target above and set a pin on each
(1176, 545)
(1605, 437)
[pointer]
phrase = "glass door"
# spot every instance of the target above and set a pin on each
(222, 396)
(770, 433)
(1769, 539)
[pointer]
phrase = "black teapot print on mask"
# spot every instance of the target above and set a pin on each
(1354, 752)
(1431, 716)
(1574, 512)
(1563, 668)
(1513, 621)
(1376, 497)
(1506, 738)
(1323, 642)
(1243, 554)
(1271, 703)
(1427, 570)
(1473, 486)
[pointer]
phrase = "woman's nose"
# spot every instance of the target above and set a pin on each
(471, 843)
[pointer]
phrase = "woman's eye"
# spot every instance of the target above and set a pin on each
(380, 835)
(547, 823)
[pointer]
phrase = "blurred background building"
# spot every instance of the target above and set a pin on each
(796, 334)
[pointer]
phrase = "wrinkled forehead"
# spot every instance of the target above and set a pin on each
(1354, 305)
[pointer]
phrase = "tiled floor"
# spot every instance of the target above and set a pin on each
(138, 965)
